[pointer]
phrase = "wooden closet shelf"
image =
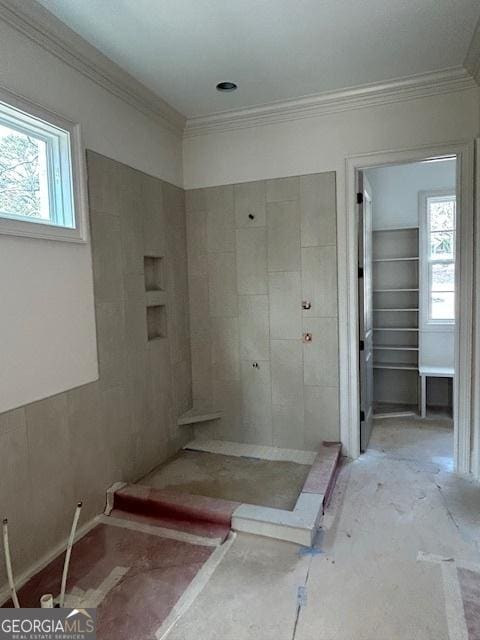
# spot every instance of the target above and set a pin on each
(401, 366)
(395, 329)
(406, 259)
(397, 347)
(392, 290)
(398, 309)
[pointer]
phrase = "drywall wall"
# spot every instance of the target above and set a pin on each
(396, 190)
(47, 321)
(255, 252)
(72, 446)
(109, 125)
(322, 143)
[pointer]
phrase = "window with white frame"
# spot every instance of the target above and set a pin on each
(40, 195)
(440, 258)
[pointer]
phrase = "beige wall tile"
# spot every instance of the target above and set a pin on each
(111, 343)
(257, 401)
(255, 433)
(49, 450)
(202, 370)
(251, 247)
(297, 211)
(283, 219)
(88, 448)
(107, 257)
(321, 355)
(318, 207)
(135, 204)
(135, 326)
(250, 200)
(15, 489)
(197, 243)
(154, 225)
(195, 200)
(281, 189)
(199, 306)
(182, 386)
(222, 285)
(287, 372)
(288, 426)
(285, 305)
(254, 327)
(256, 391)
(220, 219)
(104, 184)
(322, 419)
(319, 280)
(227, 397)
(117, 414)
(225, 342)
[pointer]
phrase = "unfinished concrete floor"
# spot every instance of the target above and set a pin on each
(260, 482)
(378, 574)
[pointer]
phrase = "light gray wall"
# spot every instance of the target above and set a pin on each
(72, 446)
(247, 280)
(395, 190)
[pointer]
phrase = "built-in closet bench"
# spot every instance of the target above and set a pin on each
(195, 415)
(431, 372)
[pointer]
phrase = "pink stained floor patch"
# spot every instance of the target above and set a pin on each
(135, 577)
(199, 515)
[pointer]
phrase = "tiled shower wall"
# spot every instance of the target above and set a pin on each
(72, 446)
(255, 252)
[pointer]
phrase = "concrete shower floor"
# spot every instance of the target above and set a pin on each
(247, 480)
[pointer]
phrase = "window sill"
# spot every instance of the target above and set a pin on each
(438, 326)
(41, 231)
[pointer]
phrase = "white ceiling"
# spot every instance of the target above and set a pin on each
(273, 49)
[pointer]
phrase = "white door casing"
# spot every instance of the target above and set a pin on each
(348, 293)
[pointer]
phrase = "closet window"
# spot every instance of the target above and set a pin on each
(440, 256)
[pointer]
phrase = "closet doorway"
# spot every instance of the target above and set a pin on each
(407, 240)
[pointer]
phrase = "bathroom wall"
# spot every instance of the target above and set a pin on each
(72, 446)
(53, 280)
(255, 251)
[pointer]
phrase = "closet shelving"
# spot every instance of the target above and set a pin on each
(395, 319)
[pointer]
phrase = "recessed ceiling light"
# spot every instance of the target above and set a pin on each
(226, 86)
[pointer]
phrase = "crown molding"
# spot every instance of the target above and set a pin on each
(42, 27)
(472, 59)
(361, 97)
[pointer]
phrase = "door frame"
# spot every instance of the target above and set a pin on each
(349, 336)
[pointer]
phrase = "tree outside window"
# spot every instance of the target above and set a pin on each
(23, 175)
(441, 218)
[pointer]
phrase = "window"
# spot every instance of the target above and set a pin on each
(440, 257)
(41, 182)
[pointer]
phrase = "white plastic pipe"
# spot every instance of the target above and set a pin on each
(46, 601)
(8, 564)
(68, 553)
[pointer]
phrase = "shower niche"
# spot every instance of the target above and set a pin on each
(156, 311)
